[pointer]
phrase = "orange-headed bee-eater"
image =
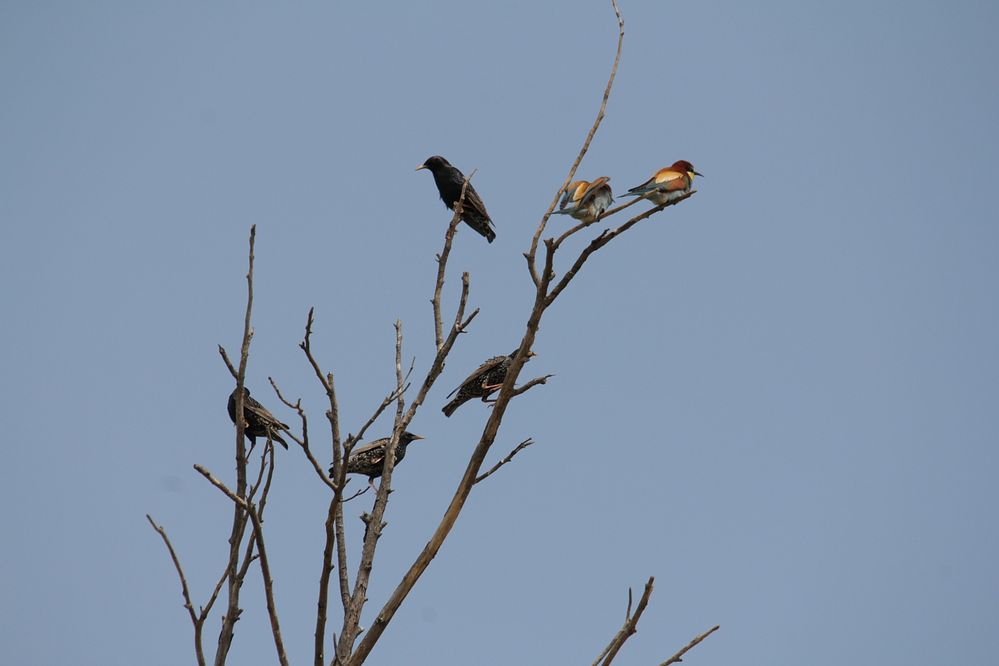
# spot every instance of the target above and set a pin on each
(668, 184)
(586, 201)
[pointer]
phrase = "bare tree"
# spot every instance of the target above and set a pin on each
(351, 645)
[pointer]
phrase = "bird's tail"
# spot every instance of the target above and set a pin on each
(490, 235)
(451, 406)
(277, 438)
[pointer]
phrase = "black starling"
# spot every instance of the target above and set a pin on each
(449, 181)
(486, 379)
(369, 459)
(259, 421)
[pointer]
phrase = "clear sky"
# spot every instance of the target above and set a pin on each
(779, 398)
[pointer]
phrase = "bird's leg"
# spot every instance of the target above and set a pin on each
(371, 482)
(491, 390)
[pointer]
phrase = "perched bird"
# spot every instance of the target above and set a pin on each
(449, 181)
(486, 379)
(668, 184)
(586, 201)
(259, 421)
(369, 459)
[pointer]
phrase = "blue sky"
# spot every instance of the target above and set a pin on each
(779, 397)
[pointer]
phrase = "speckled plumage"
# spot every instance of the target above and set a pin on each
(486, 379)
(586, 201)
(369, 459)
(449, 181)
(259, 421)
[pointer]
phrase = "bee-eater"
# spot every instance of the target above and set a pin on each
(667, 185)
(586, 201)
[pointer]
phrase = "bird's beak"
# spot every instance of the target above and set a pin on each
(422, 166)
(697, 174)
(416, 437)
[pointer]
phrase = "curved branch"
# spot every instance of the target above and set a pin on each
(582, 151)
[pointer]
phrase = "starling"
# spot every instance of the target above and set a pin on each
(449, 181)
(369, 459)
(486, 379)
(586, 201)
(259, 421)
(668, 184)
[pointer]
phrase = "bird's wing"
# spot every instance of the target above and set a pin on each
(669, 180)
(251, 405)
(474, 201)
(592, 189)
(365, 448)
(481, 370)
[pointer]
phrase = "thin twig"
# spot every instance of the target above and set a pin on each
(199, 652)
(531, 384)
(606, 236)
(582, 151)
(677, 658)
(262, 550)
(442, 262)
(228, 363)
(523, 445)
(629, 628)
(603, 216)
(375, 523)
(304, 442)
(239, 517)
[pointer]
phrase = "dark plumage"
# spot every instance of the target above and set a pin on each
(486, 379)
(449, 181)
(259, 421)
(369, 459)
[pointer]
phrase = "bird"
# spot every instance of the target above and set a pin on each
(667, 185)
(486, 379)
(449, 181)
(586, 201)
(259, 421)
(369, 459)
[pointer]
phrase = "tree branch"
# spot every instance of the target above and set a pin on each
(375, 523)
(258, 535)
(442, 262)
(582, 151)
(523, 445)
(629, 628)
(492, 425)
(239, 516)
(677, 658)
(603, 216)
(606, 236)
(199, 652)
(531, 384)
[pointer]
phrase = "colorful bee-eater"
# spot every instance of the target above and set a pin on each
(586, 201)
(667, 185)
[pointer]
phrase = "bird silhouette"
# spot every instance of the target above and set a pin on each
(449, 181)
(259, 421)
